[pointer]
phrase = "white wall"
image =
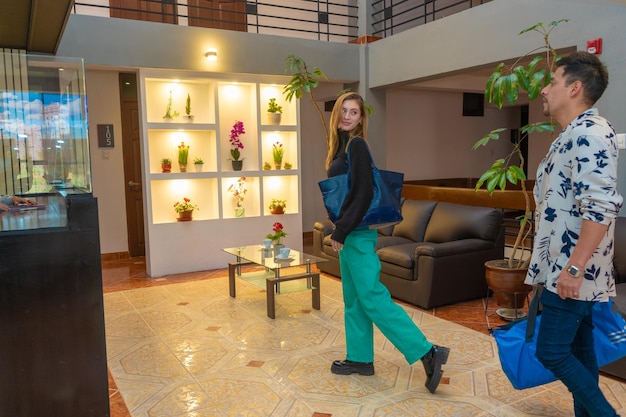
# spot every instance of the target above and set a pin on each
(107, 164)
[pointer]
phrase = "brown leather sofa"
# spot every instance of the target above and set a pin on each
(435, 256)
(618, 368)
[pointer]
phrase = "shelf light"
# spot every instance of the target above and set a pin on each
(211, 55)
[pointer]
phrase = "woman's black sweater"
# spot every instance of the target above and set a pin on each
(361, 191)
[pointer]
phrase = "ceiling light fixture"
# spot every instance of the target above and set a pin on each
(211, 55)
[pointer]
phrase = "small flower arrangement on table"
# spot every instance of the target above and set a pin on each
(235, 141)
(278, 234)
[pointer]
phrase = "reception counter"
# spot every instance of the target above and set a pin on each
(52, 349)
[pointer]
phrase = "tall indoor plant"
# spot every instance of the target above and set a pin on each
(504, 84)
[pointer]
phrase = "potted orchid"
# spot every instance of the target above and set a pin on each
(238, 189)
(235, 142)
(278, 152)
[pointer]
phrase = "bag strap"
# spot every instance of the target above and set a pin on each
(533, 308)
(368, 151)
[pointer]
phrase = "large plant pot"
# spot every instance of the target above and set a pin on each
(507, 283)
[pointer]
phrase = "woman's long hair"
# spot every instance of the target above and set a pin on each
(335, 121)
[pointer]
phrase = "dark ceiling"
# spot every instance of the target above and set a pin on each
(33, 25)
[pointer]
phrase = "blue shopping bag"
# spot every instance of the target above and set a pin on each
(517, 343)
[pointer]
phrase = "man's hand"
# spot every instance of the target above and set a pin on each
(568, 286)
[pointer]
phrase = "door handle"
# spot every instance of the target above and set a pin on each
(133, 184)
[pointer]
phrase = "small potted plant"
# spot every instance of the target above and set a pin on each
(278, 206)
(235, 142)
(198, 163)
(274, 112)
(238, 189)
(166, 165)
(185, 210)
(183, 155)
(188, 116)
(267, 166)
(278, 152)
(288, 165)
(170, 113)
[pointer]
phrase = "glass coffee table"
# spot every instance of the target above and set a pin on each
(279, 276)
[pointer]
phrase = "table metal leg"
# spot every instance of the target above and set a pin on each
(271, 305)
(231, 277)
(315, 294)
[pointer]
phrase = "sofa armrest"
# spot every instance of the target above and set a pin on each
(325, 227)
(455, 247)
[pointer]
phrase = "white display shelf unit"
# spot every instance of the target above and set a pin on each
(217, 103)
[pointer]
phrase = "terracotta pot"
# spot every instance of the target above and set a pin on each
(185, 216)
(507, 283)
(278, 210)
(166, 167)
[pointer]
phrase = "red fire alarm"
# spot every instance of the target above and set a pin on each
(594, 46)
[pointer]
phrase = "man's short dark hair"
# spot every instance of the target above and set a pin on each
(589, 70)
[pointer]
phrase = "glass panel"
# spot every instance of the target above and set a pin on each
(43, 125)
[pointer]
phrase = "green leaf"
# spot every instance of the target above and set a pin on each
(498, 93)
(537, 82)
(537, 127)
(511, 88)
(517, 173)
(493, 135)
(497, 73)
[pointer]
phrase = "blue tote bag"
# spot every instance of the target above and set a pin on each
(385, 209)
(517, 343)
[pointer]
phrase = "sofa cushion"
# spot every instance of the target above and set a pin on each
(416, 215)
(401, 255)
(455, 222)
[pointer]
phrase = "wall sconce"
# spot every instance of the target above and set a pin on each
(211, 55)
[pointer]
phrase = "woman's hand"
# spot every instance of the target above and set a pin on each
(337, 246)
(20, 200)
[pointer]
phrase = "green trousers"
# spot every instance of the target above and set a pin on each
(368, 302)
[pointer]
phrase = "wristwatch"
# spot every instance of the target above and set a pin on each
(574, 271)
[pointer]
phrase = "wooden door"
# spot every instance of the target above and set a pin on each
(131, 145)
(163, 11)
(219, 14)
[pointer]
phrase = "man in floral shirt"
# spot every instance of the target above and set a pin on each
(577, 203)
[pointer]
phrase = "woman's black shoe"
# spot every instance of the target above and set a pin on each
(436, 357)
(349, 367)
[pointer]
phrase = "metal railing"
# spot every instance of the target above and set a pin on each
(332, 21)
(323, 20)
(391, 17)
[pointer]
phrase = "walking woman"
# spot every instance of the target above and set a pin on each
(367, 301)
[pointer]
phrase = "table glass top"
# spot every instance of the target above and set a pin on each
(265, 257)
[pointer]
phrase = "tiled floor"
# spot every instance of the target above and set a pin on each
(155, 337)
